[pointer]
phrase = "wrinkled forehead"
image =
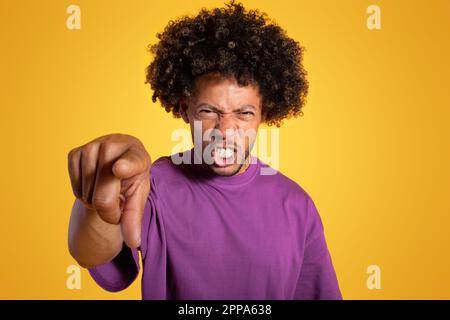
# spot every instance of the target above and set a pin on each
(224, 90)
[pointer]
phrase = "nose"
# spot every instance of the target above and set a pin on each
(227, 125)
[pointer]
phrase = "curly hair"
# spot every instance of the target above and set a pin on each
(234, 42)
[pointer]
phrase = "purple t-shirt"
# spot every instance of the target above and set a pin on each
(204, 236)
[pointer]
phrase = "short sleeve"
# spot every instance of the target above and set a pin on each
(123, 270)
(317, 275)
(119, 273)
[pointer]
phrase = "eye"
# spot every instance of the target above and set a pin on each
(247, 113)
(206, 114)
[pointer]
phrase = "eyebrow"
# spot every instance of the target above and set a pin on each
(214, 108)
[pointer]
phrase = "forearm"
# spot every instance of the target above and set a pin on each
(92, 241)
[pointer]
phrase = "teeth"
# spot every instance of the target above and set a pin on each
(224, 152)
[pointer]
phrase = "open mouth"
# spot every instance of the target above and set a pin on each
(223, 156)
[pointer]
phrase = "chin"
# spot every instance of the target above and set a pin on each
(229, 170)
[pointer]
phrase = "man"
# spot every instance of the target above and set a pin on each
(210, 224)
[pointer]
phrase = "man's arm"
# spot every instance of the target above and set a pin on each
(92, 241)
(318, 279)
(110, 180)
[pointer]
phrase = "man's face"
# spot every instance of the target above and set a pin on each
(229, 117)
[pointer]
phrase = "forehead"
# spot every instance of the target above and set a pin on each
(225, 91)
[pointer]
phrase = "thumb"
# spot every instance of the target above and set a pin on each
(131, 163)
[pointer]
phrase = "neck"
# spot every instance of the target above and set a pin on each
(244, 165)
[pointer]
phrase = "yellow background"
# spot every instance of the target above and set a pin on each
(372, 148)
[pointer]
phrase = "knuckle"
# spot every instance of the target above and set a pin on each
(143, 157)
(71, 164)
(71, 155)
(128, 139)
(124, 137)
(88, 150)
(106, 151)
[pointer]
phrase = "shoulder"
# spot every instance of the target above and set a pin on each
(276, 180)
(164, 169)
(162, 165)
(294, 198)
(166, 176)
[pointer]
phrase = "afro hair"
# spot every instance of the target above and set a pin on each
(235, 42)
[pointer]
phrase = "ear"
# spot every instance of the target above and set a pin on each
(183, 110)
